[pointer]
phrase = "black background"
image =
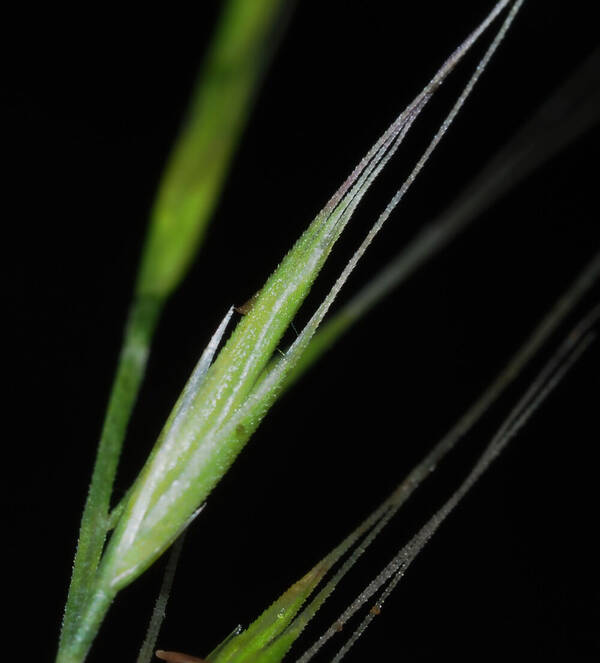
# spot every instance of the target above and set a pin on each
(91, 102)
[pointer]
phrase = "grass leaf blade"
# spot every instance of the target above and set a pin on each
(199, 162)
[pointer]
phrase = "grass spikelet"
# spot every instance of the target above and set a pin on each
(231, 391)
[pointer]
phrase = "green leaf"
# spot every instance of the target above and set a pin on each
(199, 162)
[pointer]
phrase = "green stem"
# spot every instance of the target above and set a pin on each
(77, 647)
(143, 317)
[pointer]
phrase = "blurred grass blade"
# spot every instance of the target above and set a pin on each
(572, 110)
(199, 162)
(187, 195)
(576, 343)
